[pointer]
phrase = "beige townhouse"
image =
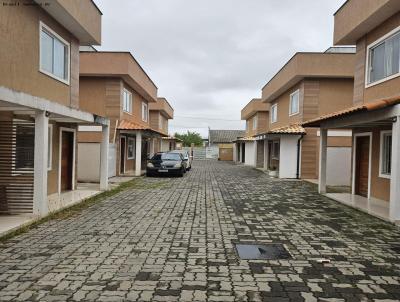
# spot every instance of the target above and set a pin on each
(374, 27)
(40, 107)
(250, 151)
(160, 114)
(113, 84)
(308, 85)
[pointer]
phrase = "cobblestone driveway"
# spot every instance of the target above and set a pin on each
(174, 243)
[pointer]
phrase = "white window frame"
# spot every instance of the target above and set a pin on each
(46, 28)
(367, 63)
(297, 92)
(145, 109)
(130, 109)
(274, 107)
(383, 133)
(50, 149)
(129, 140)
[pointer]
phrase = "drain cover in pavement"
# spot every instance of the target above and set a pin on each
(262, 251)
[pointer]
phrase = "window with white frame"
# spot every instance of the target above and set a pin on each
(131, 148)
(274, 113)
(127, 101)
(385, 162)
(294, 103)
(54, 54)
(50, 148)
(384, 59)
(145, 112)
(255, 122)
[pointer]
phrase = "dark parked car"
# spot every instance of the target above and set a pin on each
(166, 163)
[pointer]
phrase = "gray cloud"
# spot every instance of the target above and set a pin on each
(209, 58)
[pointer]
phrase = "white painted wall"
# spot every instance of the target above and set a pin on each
(288, 156)
(338, 166)
(250, 153)
(89, 162)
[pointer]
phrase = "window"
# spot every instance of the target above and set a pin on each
(294, 103)
(54, 54)
(24, 147)
(274, 113)
(127, 105)
(385, 162)
(255, 121)
(50, 148)
(145, 112)
(131, 148)
(384, 59)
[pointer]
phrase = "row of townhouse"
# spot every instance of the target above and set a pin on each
(335, 116)
(68, 112)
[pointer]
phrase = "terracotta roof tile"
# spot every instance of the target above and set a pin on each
(291, 129)
(129, 125)
(363, 107)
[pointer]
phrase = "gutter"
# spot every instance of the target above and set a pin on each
(298, 156)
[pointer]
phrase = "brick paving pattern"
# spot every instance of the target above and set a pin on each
(174, 242)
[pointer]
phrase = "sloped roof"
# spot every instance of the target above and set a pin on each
(291, 129)
(246, 139)
(129, 125)
(363, 107)
(225, 136)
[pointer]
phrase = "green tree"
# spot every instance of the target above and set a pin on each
(190, 138)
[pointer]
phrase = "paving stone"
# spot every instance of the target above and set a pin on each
(173, 240)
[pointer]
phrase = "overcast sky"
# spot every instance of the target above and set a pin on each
(209, 58)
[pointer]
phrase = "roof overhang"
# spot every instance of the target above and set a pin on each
(253, 107)
(81, 17)
(164, 107)
(24, 104)
(309, 65)
(356, 18)
(121, 65)
(371, 113)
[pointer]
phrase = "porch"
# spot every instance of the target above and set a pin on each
(375, 157)
(38, 157)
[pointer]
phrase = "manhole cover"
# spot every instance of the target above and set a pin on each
(262, 251)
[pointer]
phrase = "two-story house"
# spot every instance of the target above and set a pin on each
(309, 84)
(39, 101)
(113, 84)
(160, 114)
(374, 26)
(248, 150)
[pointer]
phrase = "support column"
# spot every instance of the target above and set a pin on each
(138, 158)
(395, 173)
(40, 204)
(266, 154)
(152, 147)
(104, 150)
(323, 154)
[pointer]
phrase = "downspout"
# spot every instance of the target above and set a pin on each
(298, 156)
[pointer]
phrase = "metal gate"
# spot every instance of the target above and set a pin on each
(17, 140)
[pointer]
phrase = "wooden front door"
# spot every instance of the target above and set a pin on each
(67, 158)
(122, 155)
(362, 166)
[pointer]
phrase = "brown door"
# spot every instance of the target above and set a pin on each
(362, 166)
(122, 155)
(226, 154)
(67, 156)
